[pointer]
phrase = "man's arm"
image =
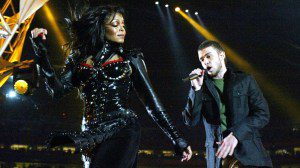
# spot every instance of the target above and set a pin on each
(259, 113)
(259, 117)
(191, 113)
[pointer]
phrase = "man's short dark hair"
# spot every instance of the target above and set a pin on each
(209, 43)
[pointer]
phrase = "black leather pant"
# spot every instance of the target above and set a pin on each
(120, 151)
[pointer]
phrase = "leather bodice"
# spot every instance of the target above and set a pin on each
(106, 92)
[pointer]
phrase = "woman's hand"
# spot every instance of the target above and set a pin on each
(187, 154)
(39, 32)
(40, 50)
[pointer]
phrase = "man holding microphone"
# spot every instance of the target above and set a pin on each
(233, 110)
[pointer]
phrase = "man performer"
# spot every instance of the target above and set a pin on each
(233, 110)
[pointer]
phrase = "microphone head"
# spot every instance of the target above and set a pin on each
(191, 77)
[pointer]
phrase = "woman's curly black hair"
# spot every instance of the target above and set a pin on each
(87, 30)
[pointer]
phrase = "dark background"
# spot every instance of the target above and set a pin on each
(265, 33)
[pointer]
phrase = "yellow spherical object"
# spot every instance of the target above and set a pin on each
(21, 86)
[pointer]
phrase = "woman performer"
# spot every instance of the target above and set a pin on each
(105, 74)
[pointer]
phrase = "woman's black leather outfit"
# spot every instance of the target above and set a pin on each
(105, 91)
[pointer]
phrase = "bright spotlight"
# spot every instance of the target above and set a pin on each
(156, 3)
(167, 5)
(196, 13)
(186, 10)
(49, 14)
(177, 9)
(11, 94)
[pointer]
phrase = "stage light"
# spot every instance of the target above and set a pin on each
(25, 79)
(167, 5)
(156, 3)
(196, 13)
(177, 9)
(186, 10)
(21, 86)
(11, 94)
(52, 19)
(3, 34)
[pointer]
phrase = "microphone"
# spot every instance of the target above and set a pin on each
(191, 77)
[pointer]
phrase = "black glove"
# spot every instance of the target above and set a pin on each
(41, 56)
(180, 146)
